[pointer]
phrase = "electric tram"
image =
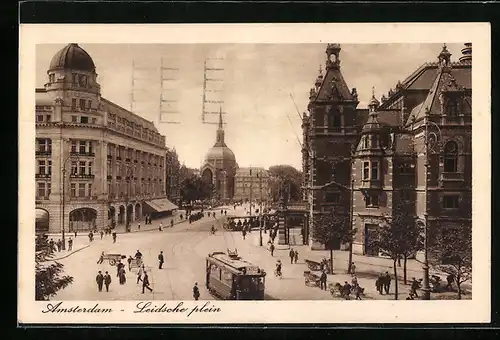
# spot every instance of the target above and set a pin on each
(229, 277)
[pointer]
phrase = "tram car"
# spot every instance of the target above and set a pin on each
(229, 277)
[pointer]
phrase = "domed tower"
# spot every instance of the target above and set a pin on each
(220, 166)
(72, 80)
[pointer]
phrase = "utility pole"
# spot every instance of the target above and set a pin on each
(251, 190)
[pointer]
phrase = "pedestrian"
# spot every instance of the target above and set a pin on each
(180, 216)
(358, 291)
(353, 268)
(114, 236)
(196, 291)
(139, 226)
(138, 254)
(222, 212)
(102, 234)
(271, 248)
(161, 225)
(171, 223)
(354, 281)
(119, 266)
(59, 245)
(225, 212)
(292, 255)
(296, 256)
(387, 282)
(346, 290)
(322, 280)
(414, 286)
(107, 281)
(244, 233)
(449, 279)
(145, 283)
(51, 245)
(380, 283)
(139, 274)
(70, 244)
(100, 280)
(129, 260)
(76, 233)
(101, 258)
(121, 275)
(161, 260)
(91, 236)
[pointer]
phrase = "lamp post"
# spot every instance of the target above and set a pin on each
(128, 175)
(426, 295)
(259, 176)
(251, 190)
(63, 194)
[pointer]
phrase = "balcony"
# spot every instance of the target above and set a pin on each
(82, 176)
(83, 198)
(371, 184)
(42, 198)
(110, 156)
(452, 176)
(86, 154)
(43, 153)
(42, 175)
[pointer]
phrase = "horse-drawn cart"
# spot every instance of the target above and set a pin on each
(311, 279)
(318, 266)
(113, 258)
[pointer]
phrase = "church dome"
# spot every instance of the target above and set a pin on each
(220, 153)
(72, 57)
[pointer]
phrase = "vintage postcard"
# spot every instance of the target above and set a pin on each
(299, 173)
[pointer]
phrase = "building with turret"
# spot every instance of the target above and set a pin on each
(219, 167)
(96, 162)
(412, 149)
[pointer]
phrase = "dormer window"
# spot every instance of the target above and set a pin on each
(75, 78)
(366, 142)
(52, 78)
(452, 107)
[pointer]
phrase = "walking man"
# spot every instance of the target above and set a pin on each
(414, 286)
(296, 256)
(129, 260)
(59, 244)
(102, 234)
(76, 233)
(107, 281)
(171, 223)
(145, 283)
(387, 282)
(292, 255)
(271, 248)
(196, 291)
(101, 258)
(161, 260)
(100, 280)
(70, 244)
(139, 274)
(353, 269)
(139, 226)
(322, 280)
(449, 279)
(114, 236)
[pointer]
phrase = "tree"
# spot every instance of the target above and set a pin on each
(194, 188)
(331, 229)
(452, 254)
(287, 180)
(49, 278)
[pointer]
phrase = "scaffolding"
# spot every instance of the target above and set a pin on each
(212, 89)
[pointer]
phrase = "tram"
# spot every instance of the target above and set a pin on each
(231, 278)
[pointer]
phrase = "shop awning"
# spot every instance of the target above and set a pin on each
(161, 204)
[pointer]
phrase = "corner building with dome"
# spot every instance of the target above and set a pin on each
(219, 167)
(108, 162)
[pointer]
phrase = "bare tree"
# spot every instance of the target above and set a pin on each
(331, 229)
(452, 254)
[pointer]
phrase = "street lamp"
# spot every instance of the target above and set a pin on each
(259, 176)
(64, 199)
(427, 143)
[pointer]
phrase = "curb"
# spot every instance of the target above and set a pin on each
(67, 255)
(146, 230)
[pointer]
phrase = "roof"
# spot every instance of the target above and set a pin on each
(220, 152)
(235, 262)
(389, 117)
(72, 57)
(334, 87)
(255, 170)
(116, 109)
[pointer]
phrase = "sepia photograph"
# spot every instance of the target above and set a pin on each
(325, 171)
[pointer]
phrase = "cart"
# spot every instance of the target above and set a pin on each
(311, 279)
(113, 258)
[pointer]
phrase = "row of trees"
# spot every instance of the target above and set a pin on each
(402, 237)
(287, 180)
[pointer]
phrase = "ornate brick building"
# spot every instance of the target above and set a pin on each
(173, 176)
(97, 163)
(413, 147)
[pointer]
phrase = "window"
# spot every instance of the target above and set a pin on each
(371, 200)
(44, 145)
(452, 108)
(332, 197)
(90, 147)
(73, 190)
(74, 169)
(73, 104)
(374, 174)
(73, 146)
(366, 170)
(108, 168)
(49, 168)
(366, 143)
(41, 167)
(39, 118)
(334, 120)
(450, 202)
(75, 78)
(81, 189)
(94, 120)
(406, 195)
(82, 104)
(82, 147)
(74, 119)
(375, 143)
(450, 157)
(51, 78)
(41, 189)
(48, 189)
(82, 168)
(90, 168)
(89, 104)
(49, 118)
(89, 192)
(84, 120)
(406, 168)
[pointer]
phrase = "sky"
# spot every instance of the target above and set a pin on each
(259, 80)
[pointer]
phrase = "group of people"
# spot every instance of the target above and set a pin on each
(59, 245)
(383, 283)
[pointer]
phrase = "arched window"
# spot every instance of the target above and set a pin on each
(450, 157)
(452, 107)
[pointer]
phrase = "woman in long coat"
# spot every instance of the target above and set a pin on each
(122, 277)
